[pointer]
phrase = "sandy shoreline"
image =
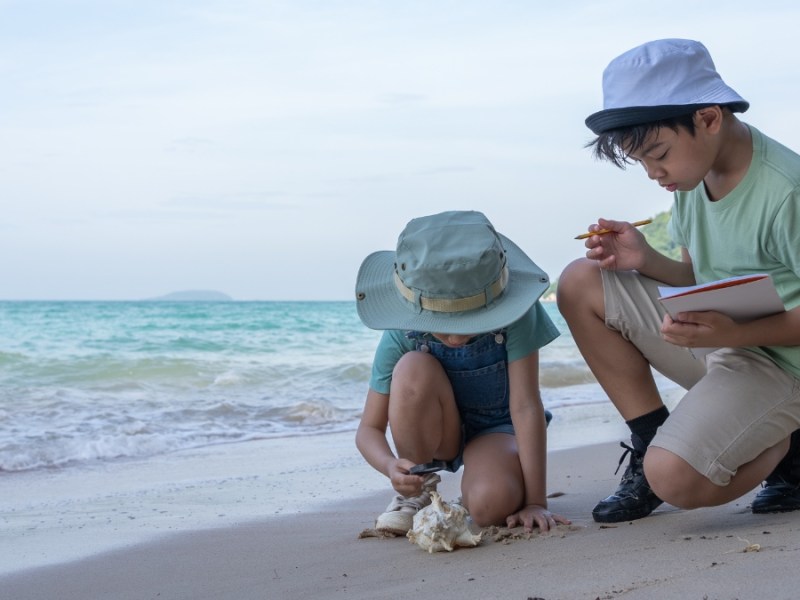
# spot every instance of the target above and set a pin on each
(54, 516)
(672, 554)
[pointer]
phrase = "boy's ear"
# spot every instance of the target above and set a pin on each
(709, 119)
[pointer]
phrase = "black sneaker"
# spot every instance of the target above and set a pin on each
(633, 499)
(781, 491)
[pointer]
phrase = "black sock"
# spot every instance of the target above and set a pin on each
(791, 462)
(788, 470)
(643, 429)
(794, 443)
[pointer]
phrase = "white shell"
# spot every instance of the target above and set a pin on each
(442, 526)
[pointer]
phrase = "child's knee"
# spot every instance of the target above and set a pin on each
(574, 280)
(484, 510)
(416, 375)
(489, 505)
(414, 366)
(673, 479)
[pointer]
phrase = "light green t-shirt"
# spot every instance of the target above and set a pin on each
(754, 229)
(532, 331)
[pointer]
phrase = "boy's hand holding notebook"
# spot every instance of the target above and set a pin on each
(742, 298)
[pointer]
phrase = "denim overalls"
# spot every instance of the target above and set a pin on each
(478, 373)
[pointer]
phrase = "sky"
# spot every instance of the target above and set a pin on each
(263, 148)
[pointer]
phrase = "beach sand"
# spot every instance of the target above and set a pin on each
(282, 518)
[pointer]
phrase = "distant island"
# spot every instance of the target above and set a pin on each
(192, 296)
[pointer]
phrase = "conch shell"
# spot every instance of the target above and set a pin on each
(442, 526)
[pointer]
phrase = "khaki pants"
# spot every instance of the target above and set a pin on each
(738, 403)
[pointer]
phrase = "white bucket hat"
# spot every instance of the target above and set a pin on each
(451, 273)
(659, 80)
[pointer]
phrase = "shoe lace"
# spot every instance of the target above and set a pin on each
(635, 455)
(418, 502)
(430, 482)
(415, 502)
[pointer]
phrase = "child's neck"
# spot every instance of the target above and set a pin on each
(732, 161)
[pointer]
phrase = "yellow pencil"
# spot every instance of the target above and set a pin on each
(583, 236)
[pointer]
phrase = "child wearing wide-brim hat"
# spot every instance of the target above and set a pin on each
(455, 375)
(736, 211)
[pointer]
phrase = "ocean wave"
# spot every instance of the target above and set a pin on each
(565, 374)
(104, 381)
(62, 434)
(140, 372)
(108, 408)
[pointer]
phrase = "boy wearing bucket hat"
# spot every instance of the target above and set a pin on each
(736, 211)
(455, 375)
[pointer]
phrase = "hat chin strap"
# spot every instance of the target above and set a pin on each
(452, 305)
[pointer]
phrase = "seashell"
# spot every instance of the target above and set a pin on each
(442, 526)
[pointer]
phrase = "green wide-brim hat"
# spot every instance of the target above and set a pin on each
(451, 273)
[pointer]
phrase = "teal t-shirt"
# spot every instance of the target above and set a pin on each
(532, 331)
(751, 230)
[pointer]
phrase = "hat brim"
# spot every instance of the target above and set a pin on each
(380, 305)
(616, 118)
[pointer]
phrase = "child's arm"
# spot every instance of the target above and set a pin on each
(374, 447)
(530, 426)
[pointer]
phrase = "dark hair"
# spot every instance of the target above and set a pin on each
(616, 145)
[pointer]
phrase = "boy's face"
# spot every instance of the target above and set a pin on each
(676, 160)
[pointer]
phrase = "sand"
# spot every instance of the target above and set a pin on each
(723, 552)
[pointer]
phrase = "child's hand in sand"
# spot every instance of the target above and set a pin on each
(533, 514)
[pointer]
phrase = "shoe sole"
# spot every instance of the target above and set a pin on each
(393, 523)
(622, 516)
(769, 511)
(389, 530)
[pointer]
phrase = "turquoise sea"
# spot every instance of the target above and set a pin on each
(105, 381)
